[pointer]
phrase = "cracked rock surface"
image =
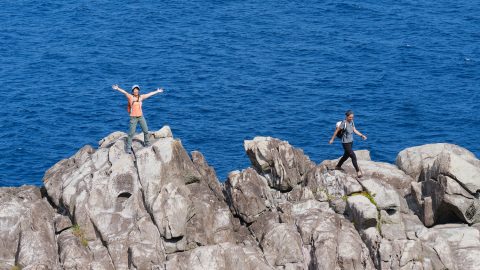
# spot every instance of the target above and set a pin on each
(163, 208)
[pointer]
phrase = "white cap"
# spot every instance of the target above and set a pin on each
(135, 86)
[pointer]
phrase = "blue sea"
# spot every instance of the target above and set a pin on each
(233, 70)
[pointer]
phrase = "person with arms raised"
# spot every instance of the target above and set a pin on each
(135, 101)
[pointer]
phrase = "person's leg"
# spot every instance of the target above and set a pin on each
(353, 156)
(131, 132)
(143, 124)
(345, 156)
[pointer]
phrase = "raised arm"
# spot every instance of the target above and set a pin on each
(116, 87)
(159, 90)
(359, 134)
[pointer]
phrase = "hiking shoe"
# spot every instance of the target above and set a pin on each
(359, 174)
(128, 151)
(147, 144)
(337, 168)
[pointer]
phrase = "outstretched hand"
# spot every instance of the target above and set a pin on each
(159, 90)
(115, 87)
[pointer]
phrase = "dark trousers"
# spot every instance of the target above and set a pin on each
(348, 153)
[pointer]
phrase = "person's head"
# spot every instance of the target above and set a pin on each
(349, 115)
(135, 90)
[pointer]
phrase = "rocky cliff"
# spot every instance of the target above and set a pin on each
(161, 208)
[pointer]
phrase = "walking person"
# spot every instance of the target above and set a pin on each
(135, 101)
(346, 128)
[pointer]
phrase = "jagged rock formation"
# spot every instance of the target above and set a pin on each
(447, 186)
(161, 208)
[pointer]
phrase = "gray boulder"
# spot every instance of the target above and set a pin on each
(212, 222)
(329, 184)
(248, 194)
(172, 209)
(362, 212)
(449, 184)
(73, 253)
(282, 165)
(458, 246)
(27, 234)
(329, 240)
(416, 159)
(465, 172)
(282, 246)
(386, 197)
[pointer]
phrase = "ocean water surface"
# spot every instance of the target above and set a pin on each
(233, 70)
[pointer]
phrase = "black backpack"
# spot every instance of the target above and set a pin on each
(342, 129)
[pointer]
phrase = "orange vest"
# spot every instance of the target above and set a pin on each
(134, 106)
